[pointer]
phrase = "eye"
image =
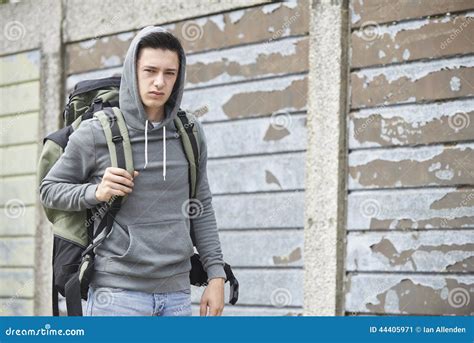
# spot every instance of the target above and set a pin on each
(170, 73)
(148, 70)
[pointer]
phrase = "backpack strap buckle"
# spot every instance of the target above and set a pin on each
(117, 139)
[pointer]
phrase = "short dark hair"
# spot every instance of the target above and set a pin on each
(161, 40)
(166, 41)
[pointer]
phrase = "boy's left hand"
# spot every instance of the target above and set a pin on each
(213, 298)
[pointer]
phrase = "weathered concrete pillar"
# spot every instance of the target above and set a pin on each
(51, 95)
(325, 158)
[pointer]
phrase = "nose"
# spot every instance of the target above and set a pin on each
(158, 82)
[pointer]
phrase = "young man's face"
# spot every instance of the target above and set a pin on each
(157, 71)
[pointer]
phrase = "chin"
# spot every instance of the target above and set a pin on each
(155, 103)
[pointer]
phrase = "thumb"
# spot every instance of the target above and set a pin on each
(135, 173)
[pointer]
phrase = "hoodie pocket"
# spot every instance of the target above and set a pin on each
(155, 250)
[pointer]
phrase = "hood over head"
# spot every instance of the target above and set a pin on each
(130, 102)
(129, 97)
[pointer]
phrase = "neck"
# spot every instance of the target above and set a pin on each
(155, 114)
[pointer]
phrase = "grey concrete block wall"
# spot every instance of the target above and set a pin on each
(28, 43)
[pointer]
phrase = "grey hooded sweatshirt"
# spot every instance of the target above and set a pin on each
(149, 247)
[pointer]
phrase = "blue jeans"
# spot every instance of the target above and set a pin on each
(107, 301)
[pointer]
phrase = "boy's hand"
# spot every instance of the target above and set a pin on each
(116, 182)
(213, 297)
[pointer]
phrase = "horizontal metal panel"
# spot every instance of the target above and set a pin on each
(249, 99)
(437, 251)
(19, 98)
(263, 248)
(267, 210)
(19, 67)
(248, 62)
(16, 283)
(282, 132)
(206, 33)
(413, 40)
(17, 220)
(20, 159)
(450, 121)
(12, 306)
(411, 209)
(257, 174)
(19, 129)
(410, 294)
(413, 82)
(412, 167)
(383, 11)
(17, 251)
(17, 192)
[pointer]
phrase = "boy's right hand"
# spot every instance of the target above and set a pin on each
(116, 181)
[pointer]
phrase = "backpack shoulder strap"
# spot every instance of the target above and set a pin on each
(191, 140)
(116, 135)
(118, 142)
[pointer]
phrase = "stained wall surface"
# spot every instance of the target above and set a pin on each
(410, 243)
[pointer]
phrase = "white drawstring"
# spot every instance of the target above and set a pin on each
(164, 148)
(164, 152)
(146, 144)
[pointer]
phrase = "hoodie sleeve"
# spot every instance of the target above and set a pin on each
(204, 225)
(65, 187)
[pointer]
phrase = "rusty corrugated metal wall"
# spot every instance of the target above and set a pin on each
(410, 243)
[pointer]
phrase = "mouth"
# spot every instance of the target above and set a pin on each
(156, 94)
